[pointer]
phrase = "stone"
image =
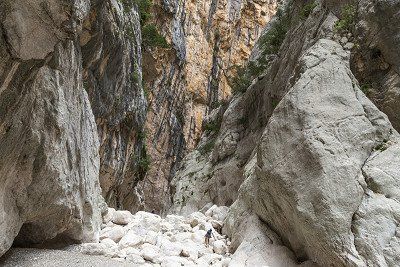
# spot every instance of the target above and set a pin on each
(121, 217)
(196, 218)
(114, 233)
(209, 212)
(173, 261)
(184, 253)
(344, 40)
(150, 253)
(134, 258)
(130, 250)
(226, 262)
(209, 259)
(219, 247)
(206, 207)
(170, 248)
(217, 225)
(109, 242)
(349, 46)
(108, 216)
(151, 237)
(131, 239)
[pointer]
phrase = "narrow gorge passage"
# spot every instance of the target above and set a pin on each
(200, 133)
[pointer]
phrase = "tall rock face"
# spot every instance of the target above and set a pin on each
(112, 62)
(49, 162)
(376, 63)
(185, 82)
(315, 160)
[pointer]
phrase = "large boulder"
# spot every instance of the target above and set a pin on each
(319, 179)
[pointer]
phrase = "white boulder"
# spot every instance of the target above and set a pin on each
(121, 217)
(108, 216)
(131, 239)
(219, 247)
(114, 233)
(151, 253)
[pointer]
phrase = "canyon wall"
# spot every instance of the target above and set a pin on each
(308, 160)
(49, 163)
(185, 81)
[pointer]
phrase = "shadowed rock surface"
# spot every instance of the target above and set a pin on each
(49, 162)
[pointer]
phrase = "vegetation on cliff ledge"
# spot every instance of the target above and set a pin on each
(269, 43)
(150, 35)
(348, 18)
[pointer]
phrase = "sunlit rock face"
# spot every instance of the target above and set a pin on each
(187, 81)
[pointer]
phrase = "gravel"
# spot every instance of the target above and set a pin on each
(32, 257)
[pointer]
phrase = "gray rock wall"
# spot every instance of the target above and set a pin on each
(72, 111)
(112, 62)
(49, 145)
(314, 158)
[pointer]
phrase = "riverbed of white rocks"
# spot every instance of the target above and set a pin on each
(146, 239)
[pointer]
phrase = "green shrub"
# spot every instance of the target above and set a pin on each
(256, 68)
(207, 147)
(213, 126)
(243, 120)
(135, 77)
(144, 8)
(141, 135)
(382, 146)
(146, 91)
(130, 33)
(152, 38)
(366, 89)
(274, 103)
(143, 164)
(240, 81)
(269, 43)
(273, 39)
(347, 20)
(307, 9)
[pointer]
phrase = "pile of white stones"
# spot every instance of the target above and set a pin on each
(146, 239)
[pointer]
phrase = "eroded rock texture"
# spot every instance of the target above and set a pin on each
(376, 63)
(314, 158)
(186, 82)
(49, 146)
(112, 61)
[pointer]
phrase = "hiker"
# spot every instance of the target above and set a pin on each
(208, 236)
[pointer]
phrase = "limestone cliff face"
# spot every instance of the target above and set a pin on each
(72, 108)
(208, 38)
(376, 61)
(313, 157)
(49, 162)
(112, 62)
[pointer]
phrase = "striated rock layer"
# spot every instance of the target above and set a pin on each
(185, 82)
(112, 62)
(315, 160)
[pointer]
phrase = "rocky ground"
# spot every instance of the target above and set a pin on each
(32, 257)
(146, 239)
